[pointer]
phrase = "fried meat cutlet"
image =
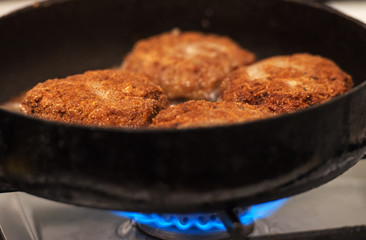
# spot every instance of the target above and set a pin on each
(187, 65)
(199, 113)
(103, 98)
(286, 83)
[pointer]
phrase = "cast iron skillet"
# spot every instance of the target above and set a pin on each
(200, 169)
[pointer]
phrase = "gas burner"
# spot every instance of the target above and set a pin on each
(179, 235)
(185, 226)
(220, 225)
(132, 230)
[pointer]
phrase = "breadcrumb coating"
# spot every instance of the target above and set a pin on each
(102, 97)
(200, 113)
(188, 65)
(286, 83)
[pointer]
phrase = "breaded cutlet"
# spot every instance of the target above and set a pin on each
(187, 65)
(286, 83)
(201, 113)
(102, 97)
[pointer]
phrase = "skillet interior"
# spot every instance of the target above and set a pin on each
(186, 170)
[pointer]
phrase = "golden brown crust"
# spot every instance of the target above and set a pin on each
(187, 65)
(286, 83)
(104, 98)
(200, 113)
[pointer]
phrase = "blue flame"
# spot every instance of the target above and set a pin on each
(260, 211)
(201, 222)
